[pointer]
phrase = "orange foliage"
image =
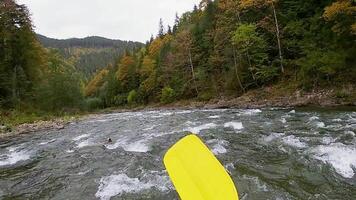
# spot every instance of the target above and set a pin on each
(95, 84)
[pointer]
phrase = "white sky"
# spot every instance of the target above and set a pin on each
(132, 20)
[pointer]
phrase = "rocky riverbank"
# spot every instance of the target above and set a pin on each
(272, 97)
(32, 127)
(260, 98)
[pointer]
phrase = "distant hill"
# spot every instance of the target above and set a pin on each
(91, 53)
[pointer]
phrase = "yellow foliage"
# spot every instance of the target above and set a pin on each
(148, 66)
(337, 8)
(94, 85)
(353, 28)
(246, 4)
(157, 44)
(341, 8)
(155, 47)
(125, 64)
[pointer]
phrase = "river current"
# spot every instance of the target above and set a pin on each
(275, 154)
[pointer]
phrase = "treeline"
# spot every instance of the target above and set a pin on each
(88, 42)
(89, 54)
(37, 79)
(32, 77)
(227, 47)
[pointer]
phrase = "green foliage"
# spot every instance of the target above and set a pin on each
(61, 88)
(93, 103)
(320, 67)
(132, 97)
(167, 95)
(120, 99)
(266, 74)
(21, 61)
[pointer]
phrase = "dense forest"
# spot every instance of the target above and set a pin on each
(228, 47)
(89, 54)
(37, 79)
(220, 48)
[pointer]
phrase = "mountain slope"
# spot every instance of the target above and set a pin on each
(91, 53)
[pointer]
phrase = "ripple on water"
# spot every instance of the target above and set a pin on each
(119, 184)
(256, 182)
(341, 157)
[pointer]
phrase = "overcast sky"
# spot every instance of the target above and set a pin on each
(117, 19)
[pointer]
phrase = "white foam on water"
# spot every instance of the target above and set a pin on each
(218, 146)
(272, 137)
(234, 125)
(214, 117)
(149, 128)
(140, 146)
(252, 111)
(114, 185)
(293, 141)
(15, 156)
(218, 149)
(81, 137)
(229, 167)
(327, 140)
(47, 142)
(256, 181)
(320, 124)
(341, 157)
(283, 120)
(84, 143)
(184, 112)
(70, 151)
(350, 133)
(162, 114)
(197, 129)
(337, 120)
(83, 173)
(292, 111)
(313, 118)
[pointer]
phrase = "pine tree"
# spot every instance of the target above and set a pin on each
(161, 32)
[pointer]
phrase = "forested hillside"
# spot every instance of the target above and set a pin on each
(228, 47)
(91, 53)
(37, 81)
(220, 48)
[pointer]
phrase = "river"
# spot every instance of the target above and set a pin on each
(270, 153)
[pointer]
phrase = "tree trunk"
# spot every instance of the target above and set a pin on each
(236, 72)
(278, 38)
(250, 68)
(192, 69)
(14, 85)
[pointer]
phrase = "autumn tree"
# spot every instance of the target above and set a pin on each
(342, 13)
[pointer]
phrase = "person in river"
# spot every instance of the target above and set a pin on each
(109, 140)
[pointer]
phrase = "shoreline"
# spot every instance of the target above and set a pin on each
(260, 98)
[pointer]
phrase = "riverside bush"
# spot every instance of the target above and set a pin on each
(167, 95)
